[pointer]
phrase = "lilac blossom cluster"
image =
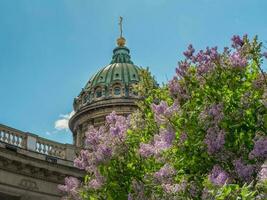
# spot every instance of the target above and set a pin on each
(260, 149)
(165, 174)
(237, 42)
(165, 177)
(214, 139)
(160, 142)
(244, 171)
(178, 90)
(212, 114)
(100, 146)
(237, 60)
(97, 182)
(204, 60)
(218, 176)
(163, 112)
(70, 188)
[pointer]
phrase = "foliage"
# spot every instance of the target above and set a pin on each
(201, 136)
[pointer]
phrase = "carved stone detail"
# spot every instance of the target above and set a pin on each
(28, 184)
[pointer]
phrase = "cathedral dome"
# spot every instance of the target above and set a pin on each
(115, 80)
(110, 89)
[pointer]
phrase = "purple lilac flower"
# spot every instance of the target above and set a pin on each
(218, 176)
(163, 112)
(215, 139)
(82, 161)
(244, 172)
(171, 188)
(205, 60)
(176, 89)
(203, 69)
(118, 125)
(182, 68)
(103, 153)
(216, 112)
(97, 182)
(260, 149)
(163, 140)
(165, 173)
(92, 137)
(265, 54)
(146, 150)
(213, 114)
(212, 53)
(237, 41)
(237, 61)
(111, 118)
(71, 187)
(174, 86)
(189, 52)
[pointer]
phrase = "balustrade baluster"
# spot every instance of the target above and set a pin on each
(4, 136)
(1, 135)
(39, 147)
(53, 152)
(44, 149)
(23, 141)
(9, 138)
(17, 141)
(13, 139)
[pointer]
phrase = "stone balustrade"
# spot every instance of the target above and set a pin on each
(31, 142)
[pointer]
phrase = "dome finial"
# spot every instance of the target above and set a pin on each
(121, 40)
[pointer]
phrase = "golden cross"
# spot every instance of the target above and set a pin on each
(120, 24)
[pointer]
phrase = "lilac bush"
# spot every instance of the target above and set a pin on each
(200, 136)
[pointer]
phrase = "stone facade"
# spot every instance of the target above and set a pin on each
(31, 167)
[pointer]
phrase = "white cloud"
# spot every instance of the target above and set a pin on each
(63, 122)
(48, 133)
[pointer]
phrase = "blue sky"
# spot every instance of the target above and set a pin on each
(50, 48)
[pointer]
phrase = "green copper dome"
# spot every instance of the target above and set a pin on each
(115, 80)
(121, 69)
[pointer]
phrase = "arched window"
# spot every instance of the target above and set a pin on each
(85, 99)
(117, 91)
(98, 93)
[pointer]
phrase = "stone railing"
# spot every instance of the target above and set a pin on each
(31, 142)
